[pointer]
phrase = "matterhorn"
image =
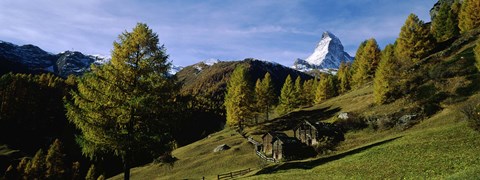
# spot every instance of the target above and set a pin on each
(328, 55)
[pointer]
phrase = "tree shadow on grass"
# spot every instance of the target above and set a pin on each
(290, 120)
(320, 161)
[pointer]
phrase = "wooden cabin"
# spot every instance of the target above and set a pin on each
(312, 133)
(285, 147)
(268, 140)
(307, 133)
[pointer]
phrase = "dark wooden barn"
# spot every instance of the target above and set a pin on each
(286, 148)
(312, 133)
(307, 133)
(268, 140)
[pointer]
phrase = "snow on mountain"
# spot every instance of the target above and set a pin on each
(328, 54)
(174, 69)
(101, 59)
(34, 59)
(211, 61)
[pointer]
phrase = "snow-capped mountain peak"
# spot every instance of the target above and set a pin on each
(328, 54)
(211, 61)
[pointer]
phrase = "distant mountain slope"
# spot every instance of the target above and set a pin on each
(328, 54)
(211, 80)
(32, 59)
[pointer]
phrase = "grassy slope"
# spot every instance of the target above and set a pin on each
(441, 146)
(198, 160)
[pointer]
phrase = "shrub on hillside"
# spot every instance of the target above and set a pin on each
(353, 122)
(471, 111)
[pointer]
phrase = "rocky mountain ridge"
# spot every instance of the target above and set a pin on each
(328, 54)
(32, 59)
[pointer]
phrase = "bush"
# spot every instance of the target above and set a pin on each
(166, 158)
(471, 111)
(331, 135)
(353, 122)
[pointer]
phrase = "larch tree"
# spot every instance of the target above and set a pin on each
(75, 171)
(367, 62)
(445, 23)
(384, 82)
(125, 107)
(326, 89)
(344, 77)
(238, 99)
(298, 89)
(476, 51)
(91, 173)
(287, 97)
(309, 92)
(54, 161)
(264, 95)
(22, 166)
(469, 17)
(358, 56)
(37, 167)
(414, 41)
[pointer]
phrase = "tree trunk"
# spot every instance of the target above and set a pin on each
(126, 169)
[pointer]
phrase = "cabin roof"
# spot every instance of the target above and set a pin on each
(287, 140)
(275, 134)
(316, 125)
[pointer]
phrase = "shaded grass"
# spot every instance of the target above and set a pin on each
(198, 160)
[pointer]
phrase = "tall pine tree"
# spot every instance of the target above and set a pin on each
(384, 82)
(287, 97)
(300, 100)
(415, 41)
(37, 167)
(309, 92)
(326, 89)
(124, 107)
(445, 23)
(264, 95)
(91, 173)
(54, 161)
(469, 17)
(238, 100)
(476, 50)
(344, 77)
(366, 63)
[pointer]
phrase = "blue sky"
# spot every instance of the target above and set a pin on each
(194, 30)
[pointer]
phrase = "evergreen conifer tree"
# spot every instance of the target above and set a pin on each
(445, 23)
(344, 77)
(300, 97)
(124, 107)
(54, 161)
(476, 51)
(414, 41)
(287, 97)
(37, 167)
(238, 99)
(91, 173)
(22, 165)
(264, 95)
(469, 17)
(11, 173)
(384, 82)
(309, 92)
(358, 56)
(75, 172)
(366, 63)
(325, 90)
